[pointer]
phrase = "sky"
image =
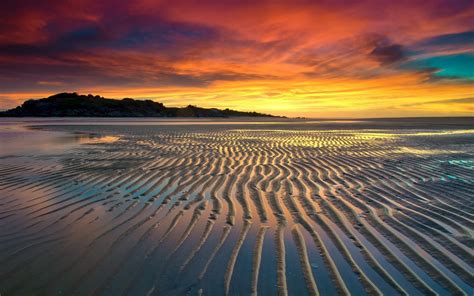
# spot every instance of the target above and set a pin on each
(324, 59)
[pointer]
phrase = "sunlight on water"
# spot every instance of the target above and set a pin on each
(417, 151)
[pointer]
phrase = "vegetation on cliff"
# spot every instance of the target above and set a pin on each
(74, 105)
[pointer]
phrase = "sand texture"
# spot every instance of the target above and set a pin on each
(241, 209)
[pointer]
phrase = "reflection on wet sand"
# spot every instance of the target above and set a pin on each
(94, 139)
(230, 210)
(19, 139)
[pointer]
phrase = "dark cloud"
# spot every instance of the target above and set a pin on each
(16, 76)
(461, 38)
(137, 33)
(121, 50)
(381, 48)
(145, 32)
(388, 53)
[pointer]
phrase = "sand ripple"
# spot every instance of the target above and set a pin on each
(225, 211)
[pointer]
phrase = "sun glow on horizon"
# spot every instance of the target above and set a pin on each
(292, 58)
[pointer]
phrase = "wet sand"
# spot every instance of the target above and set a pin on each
(236, 207)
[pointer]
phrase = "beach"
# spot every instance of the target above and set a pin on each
(236, 207)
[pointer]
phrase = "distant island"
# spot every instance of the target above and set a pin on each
(75, 105)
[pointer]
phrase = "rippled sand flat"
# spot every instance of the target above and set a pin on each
(237, 208)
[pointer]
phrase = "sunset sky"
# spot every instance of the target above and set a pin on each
(332, 58)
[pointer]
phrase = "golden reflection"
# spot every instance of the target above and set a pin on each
(94, 139)
(418, 151)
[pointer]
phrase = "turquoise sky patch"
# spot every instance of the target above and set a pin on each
(460, 66)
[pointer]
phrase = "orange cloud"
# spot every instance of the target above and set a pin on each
(297, 58)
